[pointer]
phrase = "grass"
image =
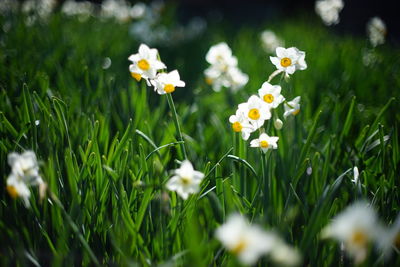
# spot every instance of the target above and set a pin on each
(106, 145)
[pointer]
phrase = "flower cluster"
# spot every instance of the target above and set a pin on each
(376, 30)
(357, 228)
(251, 115)
(224, 71)
(329, 10)
(250, 242)
(146, 65)
(24, 173)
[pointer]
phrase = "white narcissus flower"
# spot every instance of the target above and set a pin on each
(256, 111)
(145, 63)
(271, 94)
(186, 180)
(237, 78)
(221, 55)
(165, 83)
(285, 255)
(270, 41)
(329, 10)
(356, 227)
(24, 173)
(376, 30)
(292, 107)
(265, 142)
(289, 60)
(241, 124)
(247, 242)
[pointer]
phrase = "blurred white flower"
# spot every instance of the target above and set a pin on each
(24, 173)
(376, 30)
(292, 107)
(73, 8)
(356, 227)
(256, 111)
(165, 83)
(278, 124)
(145, 63)
(271, 94)
(186, 180)
(390, 238)
(289, 60)
(241, 124)
(220, 55)
(138, 10)
(270, 41)
(237, 78)
(329, 10)
(265, 142)
(247, 242)
(285, 255)
(118, 9)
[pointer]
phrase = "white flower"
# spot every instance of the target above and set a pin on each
(289, 60)
(237, 78)
(256, 111)
(356, 227)
(247, 242)
(376, 30)
(240, 123)
(389, 238)
(166, 82)
(221, 55)
(292, 107)
(285, 255)
(186, 180)
(145, 63)
(216, 78)
(270, 41)
(278, 124)
(24, 173)
(271, 94)
(329, 10)
(265, 142)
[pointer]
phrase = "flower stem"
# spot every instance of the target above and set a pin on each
(176, 122)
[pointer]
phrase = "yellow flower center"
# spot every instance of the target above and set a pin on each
(136, 76)
(286, 62)
(254, 114)
(237, 127)
(268, 98)
(12, 191)
(239, 247)
(209, 81)
(185, 180)
(144, 64)
(359, 238)
(264, 144)
(169, 88)
(296, 112)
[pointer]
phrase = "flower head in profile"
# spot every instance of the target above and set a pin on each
(24, 173)
(145, 63)
(247, 242)
(241, 124)
(376, 30)
(256, 110)
(165, 83)
(265, 142)
(271, 94)
(356, 227)
(289, 60)
(329, 10)
(186, 180)
(292, 107)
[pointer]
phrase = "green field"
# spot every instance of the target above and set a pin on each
(107, 144)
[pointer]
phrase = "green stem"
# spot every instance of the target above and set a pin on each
(176, 122)
(265, 183)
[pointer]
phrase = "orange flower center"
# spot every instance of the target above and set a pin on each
(359, 238)
(237, 127)
(268, 98)
(264, 144)
(239, 247)
(144, 64)
(136, 76)
(12, 191)
(169, 88)
(296, 112)
(286, 62)
(254, 114)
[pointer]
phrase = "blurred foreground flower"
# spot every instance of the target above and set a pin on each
(24, 173)
(186, 180)
(329, 10)
(289, 60)
(265, 142)
(270, 41)
(292, 107)
(165, 83)
(376, 30)
(356, 227)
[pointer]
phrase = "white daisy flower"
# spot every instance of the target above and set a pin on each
(376, 30)
(356, 227)
(265, 142)
(24, 173)
(292, 107)
(241, 124)
(166, 82)
(247, 242)
(145, 63)
(270, 41)
(289, 60)
(186, 180)
(329, 10)
(256, 111)
(271, 94)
